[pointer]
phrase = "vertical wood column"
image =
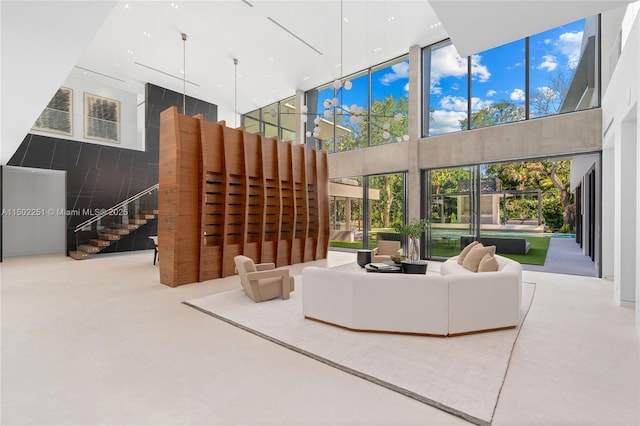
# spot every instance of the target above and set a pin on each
(213, 200)
(273, 200)
(179, 198)
(322, 188)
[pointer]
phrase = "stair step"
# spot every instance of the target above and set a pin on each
(109, 237)
(78, 255)
(88, 248)
(130, 226)
(116, 231)
(138, 221)
(154, 211)
(100, 243)
(144, 216)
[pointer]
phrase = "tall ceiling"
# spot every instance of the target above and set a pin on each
(281, 46)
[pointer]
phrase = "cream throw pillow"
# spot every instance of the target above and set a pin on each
(475, 255)
(488, 264)
(466, 251)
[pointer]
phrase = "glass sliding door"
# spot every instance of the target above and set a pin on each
(346, 212)
(451, 209)
(386, 206)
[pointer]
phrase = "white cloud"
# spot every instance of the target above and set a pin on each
(399, 70)
(406, 87)
(435, 88)
(454, 103)
(549, 63)
(445, 62)
(517, 95)
(479, 70)
(445, 121)
(570, 44)
(548, 41)
(491, 93)
(477, 104)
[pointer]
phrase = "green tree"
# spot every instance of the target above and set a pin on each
(548, 100)
(551, 177)
(498, 113)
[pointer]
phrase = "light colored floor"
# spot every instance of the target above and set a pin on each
(101, 341)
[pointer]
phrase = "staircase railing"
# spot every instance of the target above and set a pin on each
(116, 209)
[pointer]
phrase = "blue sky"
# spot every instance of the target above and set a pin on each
(498, 74)
(393, 80)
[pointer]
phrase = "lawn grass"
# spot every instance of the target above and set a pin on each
(536, 256)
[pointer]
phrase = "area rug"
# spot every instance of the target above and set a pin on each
(460, 375)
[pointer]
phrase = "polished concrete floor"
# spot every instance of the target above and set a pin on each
(102, 342)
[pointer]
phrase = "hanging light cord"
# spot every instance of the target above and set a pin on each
(235, 93)
(184, 74)
(341, 37)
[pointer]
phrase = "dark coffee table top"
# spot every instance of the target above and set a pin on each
(384, 267)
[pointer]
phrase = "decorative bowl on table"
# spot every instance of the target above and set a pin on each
(398, 259)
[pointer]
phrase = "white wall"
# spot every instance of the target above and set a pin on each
(130, 134)
(621, 136)
(33, 65)
(33, 203)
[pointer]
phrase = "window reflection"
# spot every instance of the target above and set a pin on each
(447, 97)
(498, 86)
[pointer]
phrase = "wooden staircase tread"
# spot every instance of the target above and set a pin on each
(78, 255)
(100, 243)
(88, 248)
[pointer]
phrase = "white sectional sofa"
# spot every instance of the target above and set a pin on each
(483, 300)
(456, 301)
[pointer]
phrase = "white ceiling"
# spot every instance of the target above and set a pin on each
(272, 63)
(42, 41)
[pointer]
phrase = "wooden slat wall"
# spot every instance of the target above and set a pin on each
(225, 192)
(179, 198)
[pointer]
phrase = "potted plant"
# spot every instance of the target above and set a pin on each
(413, 230)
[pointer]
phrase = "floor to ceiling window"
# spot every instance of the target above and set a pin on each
(563, 69)
(365, 208)
(548, 73)
(498, 86)
(519, 206)
(445, 90)
(368, 108)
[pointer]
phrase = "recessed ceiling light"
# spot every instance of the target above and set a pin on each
(270, 59)
(181, 71)
(127, 6)
(345, 19)
(391, 18)
(377, 50)
(337, 65)
(305, 78)
(147, 34)
(130, 52)
(174, 5)
(219, 86)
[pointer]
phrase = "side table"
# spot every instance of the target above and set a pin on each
(414, 267)
(364, 257)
